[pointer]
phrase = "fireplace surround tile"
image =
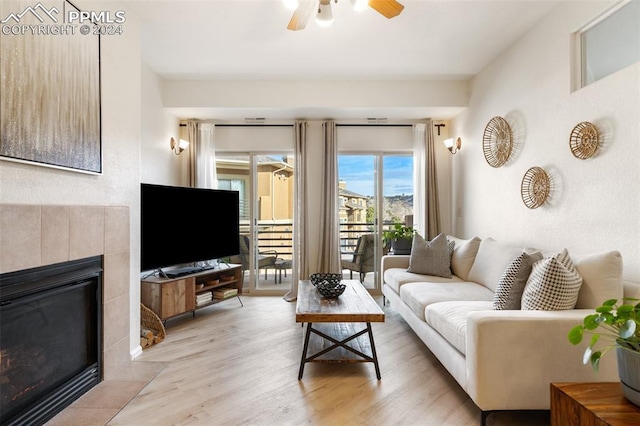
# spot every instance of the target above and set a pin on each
(55, 234)
(86, 231)
(116, 275)
(115, 358)
(20, 227)
(116, 229)
(116, 316)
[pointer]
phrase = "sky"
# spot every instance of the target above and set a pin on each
(358, 171)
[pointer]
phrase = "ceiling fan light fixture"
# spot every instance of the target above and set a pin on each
(359, 5)
(324, 17)
(291, 4)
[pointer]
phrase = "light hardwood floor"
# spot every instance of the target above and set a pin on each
(233, 365)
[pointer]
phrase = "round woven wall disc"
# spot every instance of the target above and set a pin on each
(497, 141)
(584, 140)
(535, 187)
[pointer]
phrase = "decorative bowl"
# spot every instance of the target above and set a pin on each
(318, 277)
(328, 289)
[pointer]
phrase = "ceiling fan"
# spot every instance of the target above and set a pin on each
(303, 9)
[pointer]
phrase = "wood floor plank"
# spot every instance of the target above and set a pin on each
(233, 365)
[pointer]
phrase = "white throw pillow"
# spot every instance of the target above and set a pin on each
(430, 257)
(464, 254)
(508, 294)
(491, 261)
(601, 278)
(553, 285)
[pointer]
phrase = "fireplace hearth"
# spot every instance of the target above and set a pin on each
(50, 338)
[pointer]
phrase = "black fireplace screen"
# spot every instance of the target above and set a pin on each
(50, 339)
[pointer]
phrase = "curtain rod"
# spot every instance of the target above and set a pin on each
(247, 125)
(291, 125)
(374, 125)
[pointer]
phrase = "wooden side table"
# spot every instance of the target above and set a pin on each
(587, 404)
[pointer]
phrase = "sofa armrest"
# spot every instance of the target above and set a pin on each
(394, 261)
(513, 356)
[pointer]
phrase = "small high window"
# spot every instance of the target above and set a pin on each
(610, 43)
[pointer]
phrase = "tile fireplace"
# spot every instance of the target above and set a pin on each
(37, 236)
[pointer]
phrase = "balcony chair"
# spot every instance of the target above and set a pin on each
(363, 257)
(265, 259)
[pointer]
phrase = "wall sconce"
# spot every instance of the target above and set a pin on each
(453, 146)
(177, 148)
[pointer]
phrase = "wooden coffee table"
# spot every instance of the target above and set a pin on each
(334, 326)
(599, 403)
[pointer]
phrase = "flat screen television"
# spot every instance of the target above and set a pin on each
(186, 225)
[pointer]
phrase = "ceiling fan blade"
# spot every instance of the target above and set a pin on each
(302, 14)
(387, 8)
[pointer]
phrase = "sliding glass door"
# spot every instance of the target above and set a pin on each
(375, 191)
(265, 183)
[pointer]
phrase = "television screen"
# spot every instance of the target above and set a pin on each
(184, 225)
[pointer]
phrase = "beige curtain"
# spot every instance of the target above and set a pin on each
(300, 228)
(201, 168)
(426, 210)
(329, 256)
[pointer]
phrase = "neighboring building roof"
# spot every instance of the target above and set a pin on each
(351, 194)
(354, 206)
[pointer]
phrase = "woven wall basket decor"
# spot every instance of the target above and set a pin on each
(535, 187)
(584, 140)
(497, 141)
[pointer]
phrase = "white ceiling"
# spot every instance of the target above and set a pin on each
(248, 39)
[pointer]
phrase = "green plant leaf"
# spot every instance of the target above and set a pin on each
(610, 302)
(606, 318)
(625, 309)
(594, 340)
(604, 308)
(627, 329)
(595, 360)
(591, 322)
(575, 334)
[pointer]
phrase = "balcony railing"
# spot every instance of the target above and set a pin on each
(278, 236)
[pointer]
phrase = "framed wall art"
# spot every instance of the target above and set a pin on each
(50, 88)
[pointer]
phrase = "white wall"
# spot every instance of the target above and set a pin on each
(120, 181)
(595, 203)
(160, 165)
(300, 94)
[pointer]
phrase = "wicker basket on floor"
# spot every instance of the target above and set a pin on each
(150, 321)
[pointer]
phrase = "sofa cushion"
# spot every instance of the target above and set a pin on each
(511, 285)
(464, 253)
(430, 257)
(397, 277)
(420, 295)
(491, 261)
(553, 285)
(601, 278)
(450, 320)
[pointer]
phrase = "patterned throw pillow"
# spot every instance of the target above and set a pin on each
(511, 285)
(553, 285)
(430, 257)
(451, 245)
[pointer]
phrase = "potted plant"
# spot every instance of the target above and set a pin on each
(400, 238)
(620, 324)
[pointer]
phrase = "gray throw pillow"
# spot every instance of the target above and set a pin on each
(430, 257)
(511, 285)
(553, 285)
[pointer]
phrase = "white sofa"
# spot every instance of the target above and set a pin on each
(503, 359)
